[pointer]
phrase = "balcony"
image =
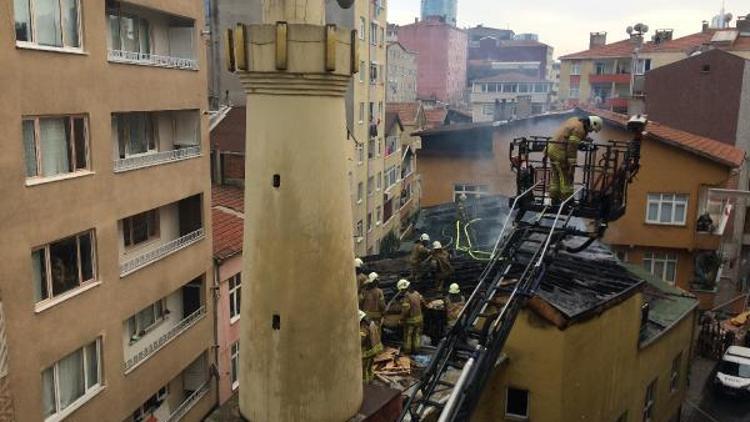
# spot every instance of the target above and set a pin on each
(145, 139)
(154, 327)
(618, 78)
(616, 103)
(141, 36)
(152, 235)
(174, 400)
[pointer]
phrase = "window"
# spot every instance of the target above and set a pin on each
(149, 406)
(510, 87)
(362, 28)
(360, 192)
(379, 180)
(235, 363)
(471, 191)
(575, 91)
(373, 33)
(140, 228)
(391, 176)
(373, 74)
(361, 112)
(50, 23)
(391, 145)
(136, 133)
(55, 145)
(642, 66)
(622, 256)
(359, 229)
(666, 208)
(234, 297)
(146, 319)
(378, 215)
(523, 88)
(63, 265)
(517, 403)
(370, 185)
(662, 265)
(600, 68)
(129, 33)
(382, 35)
(71, 381)
(488, 109)
(361, 71)
(369, 221)
(380, 110)
(648, 403)
(541, 88)
(575, 68)
(371, 148)
(360, 153)
(674, 376)
(371, 111)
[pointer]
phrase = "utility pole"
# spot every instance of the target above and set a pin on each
(300, 349)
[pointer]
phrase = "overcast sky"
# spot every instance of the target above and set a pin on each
(565, 25)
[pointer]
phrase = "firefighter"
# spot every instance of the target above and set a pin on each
(371, 345)
(411, 316)
(454, 302)
(563, 154)
(441, 265)
(420, 254)
(359, 267)
(372, 300)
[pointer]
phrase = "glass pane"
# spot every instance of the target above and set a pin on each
(64, 261)
(53, 145)
(23, 20)
(653, 211)
(48, 22)
(144, 36)
(659, 269)
(671, 270)
(92, 366)
(48, 392)
(114, 32)
(679, 213)
(140, 228)
(79, 141)
(71, 382)
(666, 212)
(647, 265)
(146, 318)
(39, 275)
(137, 128)
(128, 34)
(87, 267)
(70, 22)
(29, 147)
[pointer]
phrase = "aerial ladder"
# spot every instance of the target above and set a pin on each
(533, 233)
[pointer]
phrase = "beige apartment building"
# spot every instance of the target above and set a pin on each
(106, 250)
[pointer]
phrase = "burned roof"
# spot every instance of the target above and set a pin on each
(577, 286)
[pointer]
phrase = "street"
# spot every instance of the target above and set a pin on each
(702, 405)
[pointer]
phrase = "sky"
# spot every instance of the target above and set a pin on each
(565, 25)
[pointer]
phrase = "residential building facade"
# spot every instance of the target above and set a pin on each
(479, 32)
(529, 95)
(401, 74)
(603, 74)
(445, 10)
(106, 99)
(441, 59)
(493, 54)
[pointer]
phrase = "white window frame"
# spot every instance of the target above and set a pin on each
(476, 190)
(660, 200)
(575, 91)
(159, 311)
(641, 65)
(649, 402)
(391, 177)
(650, 259)
(33, 43)
(120, 122)
(362, 72)
(528, 404)
(89, 390)
(362, 28)
(373, 33)
(152, 229)
(575, 68)
(71, 149)
(360, 192)
(82, 284)
(234, 283)
(234, 365)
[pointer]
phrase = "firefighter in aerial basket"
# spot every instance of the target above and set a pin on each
(563, 152)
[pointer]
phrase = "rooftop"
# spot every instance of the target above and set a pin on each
(391, 118)
(407, 112)
(435, 116)
(227, 212)
(712, 149)
(229, 133)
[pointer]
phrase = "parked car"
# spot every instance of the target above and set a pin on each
(732, 373)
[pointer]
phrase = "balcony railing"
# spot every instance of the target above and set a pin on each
(147, 59)
(189, 402)
(618, 78)
(162, 251)
(141, 161)
(159, 343)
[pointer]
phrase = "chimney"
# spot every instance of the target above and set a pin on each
(416, 20)
(743, 25)
(662, 35)
(705, 27)
(597, 39)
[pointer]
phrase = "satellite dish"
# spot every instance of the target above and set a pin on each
(345, 3)
(629, 30)
(728, 17)
(644, 28)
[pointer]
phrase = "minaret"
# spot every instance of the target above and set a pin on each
(300, 352)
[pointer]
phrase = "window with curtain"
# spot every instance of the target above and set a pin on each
(49, 23)
(62, 266)
(662, 265)
(666, 208)
(68, 380)
(136, 133)
(129, 33)
(55, 145)
(140, 228)
(146, 319)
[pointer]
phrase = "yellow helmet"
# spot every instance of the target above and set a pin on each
(362, 315)
(454, 289)
(372, 278)
(596, 123)
(358, 263)
(437, 245)
(403, 284)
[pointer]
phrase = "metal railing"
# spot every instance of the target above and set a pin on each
(141, 161)
(148, 59)
(162, 251)
(189, 402)
(159, 343)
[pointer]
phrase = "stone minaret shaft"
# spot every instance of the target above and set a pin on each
(300, 356)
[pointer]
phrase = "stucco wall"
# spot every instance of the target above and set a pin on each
(228, 332)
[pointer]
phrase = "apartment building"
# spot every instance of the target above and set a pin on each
(494, 53)
(603, 74)
(401, 74)
(107, 251)
(528, 95)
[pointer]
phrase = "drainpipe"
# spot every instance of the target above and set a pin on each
(215, 295)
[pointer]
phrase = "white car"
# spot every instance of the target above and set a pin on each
(732, 374)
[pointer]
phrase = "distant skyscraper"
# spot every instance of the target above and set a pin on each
(445, 9)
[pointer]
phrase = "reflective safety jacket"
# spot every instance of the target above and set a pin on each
(566, 140)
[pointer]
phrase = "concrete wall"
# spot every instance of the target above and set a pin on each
(401, 75)
(40, 83)
(228, 332)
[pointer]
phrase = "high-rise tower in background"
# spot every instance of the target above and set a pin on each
(444, 9)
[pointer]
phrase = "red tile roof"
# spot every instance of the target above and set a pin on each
(435, 117)
(705, 147)
(407, 112)
(622, 48)
(229, 197)
(229, 134)
(227, 234)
